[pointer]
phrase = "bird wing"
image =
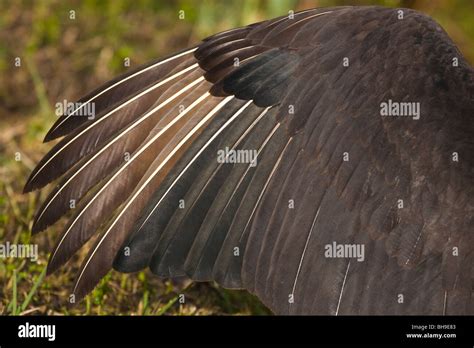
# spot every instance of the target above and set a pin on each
(334, 210)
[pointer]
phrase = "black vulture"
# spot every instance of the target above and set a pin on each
(321, 160)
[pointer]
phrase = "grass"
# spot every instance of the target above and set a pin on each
(61, 58)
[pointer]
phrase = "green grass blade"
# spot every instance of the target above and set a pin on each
(167, 306)
(14, 298)
(36, 284)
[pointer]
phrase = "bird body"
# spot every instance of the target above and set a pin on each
(320, 100)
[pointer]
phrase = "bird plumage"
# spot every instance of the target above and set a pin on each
(305, 93)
